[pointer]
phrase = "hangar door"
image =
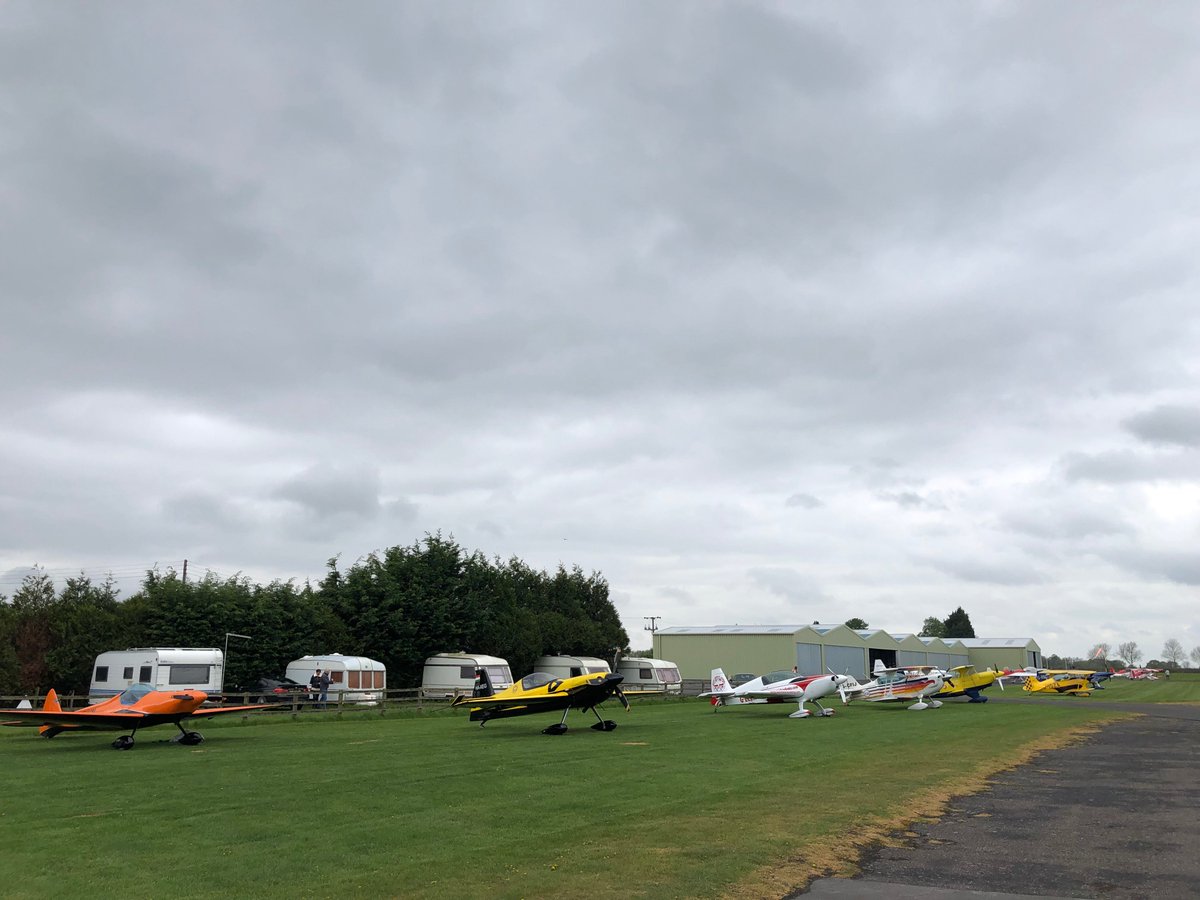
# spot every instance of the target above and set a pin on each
(940, 659)
(887, 657)
(808, 659)
(911, 658)
(846, 660)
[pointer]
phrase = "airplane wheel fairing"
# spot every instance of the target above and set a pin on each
(606, 725)
(124, 742)
(935, 703)
(556, 728)
(191, 739)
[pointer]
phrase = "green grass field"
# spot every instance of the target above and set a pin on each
(679, 801)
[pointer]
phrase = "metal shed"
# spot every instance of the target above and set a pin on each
(1003, 653)
(820, 647)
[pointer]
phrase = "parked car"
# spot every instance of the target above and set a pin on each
(278, 690)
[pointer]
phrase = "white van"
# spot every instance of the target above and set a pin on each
(163, 668)
(452, 674)
(570, 666)
(650, 675)
(352, 679)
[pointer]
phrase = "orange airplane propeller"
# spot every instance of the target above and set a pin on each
(138, 706)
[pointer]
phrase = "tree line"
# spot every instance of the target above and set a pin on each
(1129, 654)
(398, 606)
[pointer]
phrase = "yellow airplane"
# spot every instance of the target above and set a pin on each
(1075, 682)
(967, 681)
(541, 692)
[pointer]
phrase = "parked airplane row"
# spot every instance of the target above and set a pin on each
(141, 706)
(922, 684)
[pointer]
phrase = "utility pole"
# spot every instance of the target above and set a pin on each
(653, 626)
(185, 571)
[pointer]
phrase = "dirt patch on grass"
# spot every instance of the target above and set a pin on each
(839, 856)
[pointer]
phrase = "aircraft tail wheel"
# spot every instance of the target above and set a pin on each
(124, 742)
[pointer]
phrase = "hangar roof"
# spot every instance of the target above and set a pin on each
(731, 629)
(994, 642)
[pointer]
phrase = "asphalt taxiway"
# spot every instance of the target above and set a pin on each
(1114, 816)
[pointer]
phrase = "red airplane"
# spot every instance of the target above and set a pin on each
(138, 706)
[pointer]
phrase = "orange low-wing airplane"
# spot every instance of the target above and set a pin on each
(138, 706)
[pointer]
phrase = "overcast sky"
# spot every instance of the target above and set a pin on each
(769, 313)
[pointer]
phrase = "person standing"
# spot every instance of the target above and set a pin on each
(324, 688)
(314, 685)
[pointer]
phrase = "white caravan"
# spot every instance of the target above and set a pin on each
(449, 675)
(164, 668)
(570, 666)
(352, 679)
(650, 675)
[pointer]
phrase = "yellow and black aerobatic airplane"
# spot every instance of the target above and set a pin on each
(541, 692)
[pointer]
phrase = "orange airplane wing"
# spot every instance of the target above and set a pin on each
(37, 717)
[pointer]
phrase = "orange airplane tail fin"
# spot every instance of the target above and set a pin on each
(50, 704)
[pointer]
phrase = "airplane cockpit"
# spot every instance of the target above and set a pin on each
(134, 693)
(536, 680)
(772, 677)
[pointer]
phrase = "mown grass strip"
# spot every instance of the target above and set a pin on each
(679, 801)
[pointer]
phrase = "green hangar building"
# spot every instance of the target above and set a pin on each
(820, 648)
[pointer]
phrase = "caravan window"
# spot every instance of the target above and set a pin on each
(127, 673)
(498, 674)
(336, 677)
(669, 676)
(467, 673)
(379, 679)
(143, 676)
(594, 669)
(352, 679)
(647, 674)
(184, 674)
(101, 674)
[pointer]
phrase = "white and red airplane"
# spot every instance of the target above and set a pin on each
(899, 684)
(778, 687)
(1137, 674)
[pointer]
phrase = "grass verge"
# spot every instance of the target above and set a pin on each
(679, 801)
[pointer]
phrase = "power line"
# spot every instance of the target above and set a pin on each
(16, 575)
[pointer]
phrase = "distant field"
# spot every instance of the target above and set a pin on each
(1181, 687)
(679, 801)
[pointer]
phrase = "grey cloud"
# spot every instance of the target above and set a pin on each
(985, 571)
(1125, 466)
(327, 490)
(629, 275)
(910, 500)
(1178, 566)
(1177, 425)
(1068, 524)
(803, 501)
(794, 586)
